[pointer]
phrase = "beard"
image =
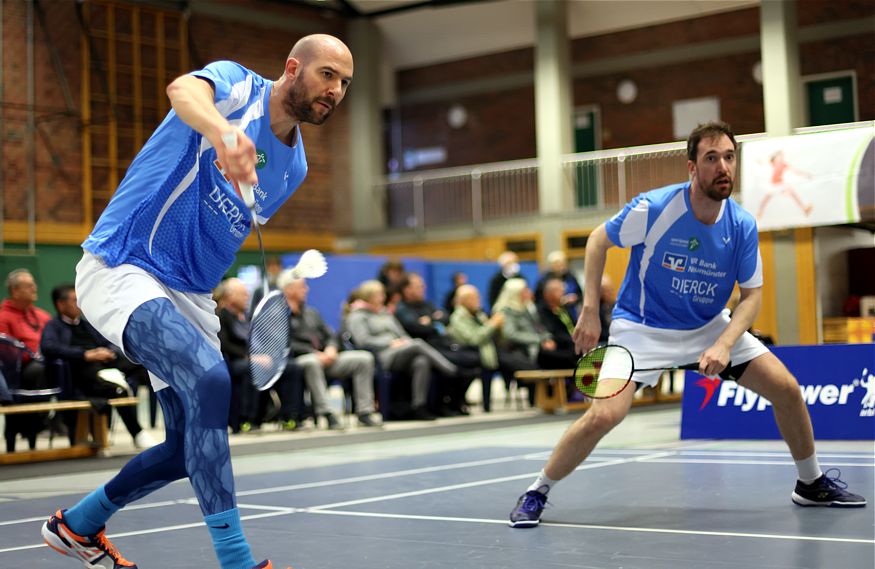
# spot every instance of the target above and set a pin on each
(719, 194)
(300, 106)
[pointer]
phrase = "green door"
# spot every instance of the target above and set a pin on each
(586, 179)
(831, 101)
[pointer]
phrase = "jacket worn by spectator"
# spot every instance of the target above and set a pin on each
(23, 325)
(309, 333)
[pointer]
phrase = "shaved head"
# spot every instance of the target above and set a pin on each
(314, 46)
(319, 69)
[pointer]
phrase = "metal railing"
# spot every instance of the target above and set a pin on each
(600, 180)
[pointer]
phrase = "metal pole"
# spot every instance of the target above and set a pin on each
(418, 204)
(476, 201)
(2, 130)
(31, 135)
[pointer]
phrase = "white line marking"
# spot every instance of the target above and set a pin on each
(754, 462)
(599, 527)
(476, 483)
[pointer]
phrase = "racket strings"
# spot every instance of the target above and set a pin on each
(586, 374)
(269, 340)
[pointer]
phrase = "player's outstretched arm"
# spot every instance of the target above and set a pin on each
(586, 333)
(192, 99)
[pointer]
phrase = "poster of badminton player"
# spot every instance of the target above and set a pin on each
(807, 180)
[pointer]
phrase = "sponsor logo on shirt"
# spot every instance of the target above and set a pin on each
(693, 244)
(225, 205)
(260, 159)
(674, 262)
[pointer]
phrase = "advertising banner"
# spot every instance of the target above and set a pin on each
(837, 383)
(823, 178)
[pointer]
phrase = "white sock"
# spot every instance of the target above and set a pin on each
(809, 469)
(542, 483)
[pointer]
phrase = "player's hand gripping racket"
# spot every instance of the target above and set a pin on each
(269, 329)
(618, 366)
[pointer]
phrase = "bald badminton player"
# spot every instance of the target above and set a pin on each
(165, 240)
(666, 325)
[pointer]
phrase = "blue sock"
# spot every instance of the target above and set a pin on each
(231, 547)
(91, 513)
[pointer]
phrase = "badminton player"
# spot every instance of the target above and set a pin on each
(171, 230)
(690, 245)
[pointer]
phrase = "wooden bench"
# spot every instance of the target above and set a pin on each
(87, 421)
(556, 399)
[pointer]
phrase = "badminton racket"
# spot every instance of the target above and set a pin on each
(618, 365)
(269, 328)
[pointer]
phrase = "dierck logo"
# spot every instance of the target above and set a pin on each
(674, 262)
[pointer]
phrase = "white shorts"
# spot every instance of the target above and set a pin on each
(109, 295)
(655, 347)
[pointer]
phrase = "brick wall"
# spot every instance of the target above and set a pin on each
(58, 155)
(501, 124)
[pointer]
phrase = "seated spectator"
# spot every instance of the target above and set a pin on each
(555, 317)
(509, 268)
(373, 328)
(572, 295)
(523, 332)
(458, 279)
(247, 403)
(89, 356)
(22, 320)
(423, 320)
(314, 347)
(391, 274)
(471, 326)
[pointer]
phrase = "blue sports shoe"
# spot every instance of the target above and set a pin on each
(527, 513)
(827, 491)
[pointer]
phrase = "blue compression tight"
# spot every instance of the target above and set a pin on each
(195, 410)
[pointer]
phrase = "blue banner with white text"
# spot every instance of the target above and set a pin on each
(837, 383)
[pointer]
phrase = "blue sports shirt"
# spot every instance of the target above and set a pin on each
(681, 272)
(175, 214)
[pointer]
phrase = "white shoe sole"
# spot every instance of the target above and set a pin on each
(800, 501)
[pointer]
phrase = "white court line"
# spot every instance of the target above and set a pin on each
(773, 454)
(752, 462)
(475, 484)
(127, 508)
(599, 527)
(384, 475)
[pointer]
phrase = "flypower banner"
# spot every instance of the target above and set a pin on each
(837, 383)
(825, 178)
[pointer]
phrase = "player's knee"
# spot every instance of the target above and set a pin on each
(603, 420)
(214, 395)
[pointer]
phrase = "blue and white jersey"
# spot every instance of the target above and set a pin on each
(175, 214)
(681, 272)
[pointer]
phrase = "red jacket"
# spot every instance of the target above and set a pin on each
(24, 325)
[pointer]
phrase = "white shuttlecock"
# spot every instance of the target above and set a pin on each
(311, 265)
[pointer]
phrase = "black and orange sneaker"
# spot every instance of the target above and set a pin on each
(95, 551)
(266, 564)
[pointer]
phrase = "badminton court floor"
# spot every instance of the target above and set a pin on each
(644, 500)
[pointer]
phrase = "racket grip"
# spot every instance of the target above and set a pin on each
(246, 192)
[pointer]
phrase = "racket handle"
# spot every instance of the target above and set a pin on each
(230, 140)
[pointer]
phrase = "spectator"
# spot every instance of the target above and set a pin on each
(509, 265)
(557, 263)
(423, 320)
(471, 326)
(89, 357)
(314, 348)
(391, 274)
(25, 322)
(459, 279)
(247, 409)
(522, 331)
(373, 328)
(558, 322)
